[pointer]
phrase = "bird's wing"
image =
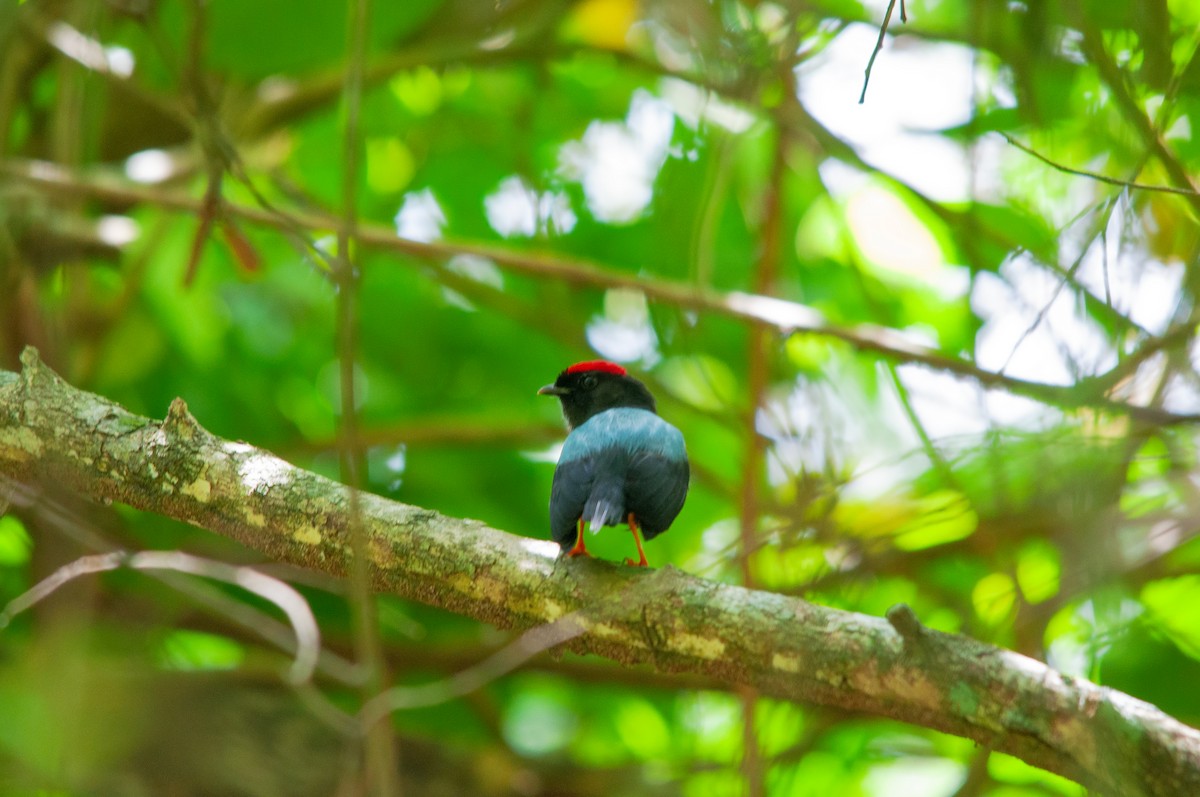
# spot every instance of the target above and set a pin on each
(591, 487)
(568, 492)
(655, 489)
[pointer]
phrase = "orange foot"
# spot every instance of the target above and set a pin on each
(579, 549)
(633, 527)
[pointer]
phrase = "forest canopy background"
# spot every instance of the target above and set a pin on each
(976, 395)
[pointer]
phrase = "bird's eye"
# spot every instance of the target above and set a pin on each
(588, 382)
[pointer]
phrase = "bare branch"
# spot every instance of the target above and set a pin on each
(380, 751)
(787, 317)
(1124, 184)
(283, 595)
(533, 642)
(887, 18)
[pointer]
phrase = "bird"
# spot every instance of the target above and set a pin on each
(620, 464)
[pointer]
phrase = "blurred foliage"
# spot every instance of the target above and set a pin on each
(709, 143)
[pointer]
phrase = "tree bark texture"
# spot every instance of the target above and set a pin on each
(784, 647)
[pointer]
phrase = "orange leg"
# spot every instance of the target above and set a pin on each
(633, 528)
(580, 549)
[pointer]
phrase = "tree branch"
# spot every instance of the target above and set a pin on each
(52, 433)
(787, 317)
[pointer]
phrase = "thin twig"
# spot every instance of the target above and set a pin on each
(766, 277)
(931, 450)
(381, 772)
(289, 601)
(1067, 278)
(1131, 108)
(76, 46)
(978, 777)
(887, 18)
(64, 520)
(533, 642)
(1126, 184)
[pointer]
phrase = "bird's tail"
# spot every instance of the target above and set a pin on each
(604, 507)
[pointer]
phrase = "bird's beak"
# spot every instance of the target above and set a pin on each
(553, 390)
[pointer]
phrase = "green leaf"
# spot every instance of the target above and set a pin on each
(1173, 608)
(943, 517)
(15, 543)
(197, 650)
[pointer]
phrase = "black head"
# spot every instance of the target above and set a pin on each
(595, 386)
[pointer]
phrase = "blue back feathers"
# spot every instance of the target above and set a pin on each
(636, 431)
